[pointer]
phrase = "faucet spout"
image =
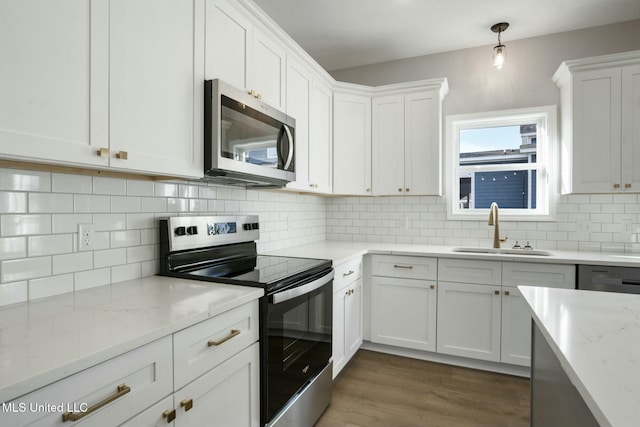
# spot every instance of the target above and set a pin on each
(493, 220)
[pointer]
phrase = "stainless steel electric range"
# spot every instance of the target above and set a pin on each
(295, 313)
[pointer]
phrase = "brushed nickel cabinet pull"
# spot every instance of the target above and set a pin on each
(122, 155)
(186, 404)
(103, 152)
(75, 416)
(169, 415)
(403, 266)
(349, 273)
(234, 332)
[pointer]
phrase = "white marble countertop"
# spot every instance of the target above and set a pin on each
(340, 252)
(596, 337)
(45, 340)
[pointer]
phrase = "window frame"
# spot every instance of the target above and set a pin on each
(546, 163)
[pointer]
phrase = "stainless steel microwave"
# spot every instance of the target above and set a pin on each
(246, 141)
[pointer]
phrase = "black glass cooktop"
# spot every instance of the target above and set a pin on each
(262, 270)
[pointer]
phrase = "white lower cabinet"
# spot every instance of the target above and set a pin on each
(516, 328)
(469, 320)
(104, 395)
(347, 313)
(403, 312)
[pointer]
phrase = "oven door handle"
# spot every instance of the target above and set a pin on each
(283, 296)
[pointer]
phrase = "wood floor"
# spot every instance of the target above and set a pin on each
(378, 389)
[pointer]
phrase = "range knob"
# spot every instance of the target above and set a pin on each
(180, 231)
(191, 230)
(246, 226)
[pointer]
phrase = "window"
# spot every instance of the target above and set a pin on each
(505, 157)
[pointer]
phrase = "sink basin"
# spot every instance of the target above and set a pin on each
(503, 251)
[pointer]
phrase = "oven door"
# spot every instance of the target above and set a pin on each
(299, 320)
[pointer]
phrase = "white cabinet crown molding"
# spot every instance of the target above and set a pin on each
(593, 63)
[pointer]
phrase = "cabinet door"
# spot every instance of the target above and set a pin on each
(596, 131)
(403, 312)
(267, 69)
(228, 41)
(353, 319)
(351, 144)
(338, 331)
(228, 395)
(153, 416)
(320, 131)
(469, 320)
(156, 86)
(387, 145)
(54, 80)
(422, 148)
(298, 94)
(631, 128)
(516, 328)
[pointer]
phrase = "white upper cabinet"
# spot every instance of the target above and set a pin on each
(54, 80)
(156, 86)
(228, 42)
(352, 142)
(308, 101)
(600, 132)
(406, 139)
(320, 137)
(267, 71)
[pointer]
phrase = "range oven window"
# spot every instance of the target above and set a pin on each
(299, 343)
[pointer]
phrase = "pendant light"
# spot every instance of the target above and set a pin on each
(499, 51)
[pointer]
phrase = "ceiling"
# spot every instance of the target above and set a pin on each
(347, 33)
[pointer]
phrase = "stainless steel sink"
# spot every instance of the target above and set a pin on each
(526, 252)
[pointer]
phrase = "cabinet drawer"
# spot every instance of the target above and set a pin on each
(533, 274)
(407, 267)
(201, 347)
(347, 272)
(470, 271)
(129, 383)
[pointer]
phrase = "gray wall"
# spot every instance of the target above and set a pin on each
(525, 81)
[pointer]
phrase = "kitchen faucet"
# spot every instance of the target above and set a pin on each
(493, 220)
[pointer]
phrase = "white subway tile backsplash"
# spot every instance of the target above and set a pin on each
(92, 278)
(68, 183)
(153, 204)
(25, 224)
(123, 239)
(166, 189)
(50, 203)
(110, 222)
(23, 180)
(141, 221)
(109, 257)
(72, 262)
(49, 286)
(126, 272)
(125, 204)
(12, 293)
(50, 244)
(140, 253)
(68, 223)
(140, 188)
(13, 247)
(24, 269)
(91, 203)
(13, 202)
(111, 186)
(177, 205)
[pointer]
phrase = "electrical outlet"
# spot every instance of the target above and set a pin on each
(85, 237)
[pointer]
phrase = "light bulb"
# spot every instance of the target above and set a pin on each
(499, 56)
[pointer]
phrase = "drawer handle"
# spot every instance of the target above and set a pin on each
(348, 274)
(432, 286)
(402, 266)
(234, 332)
(496, 292)
(187, 404)
(75, 416)
(507, 293)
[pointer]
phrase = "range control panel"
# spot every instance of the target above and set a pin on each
(190, 232)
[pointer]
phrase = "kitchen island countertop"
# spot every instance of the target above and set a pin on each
(596, 338)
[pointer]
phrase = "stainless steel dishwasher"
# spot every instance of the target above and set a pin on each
(609, 279)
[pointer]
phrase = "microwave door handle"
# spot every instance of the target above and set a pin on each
(290, 139)
(279, 142)
(283, 296)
